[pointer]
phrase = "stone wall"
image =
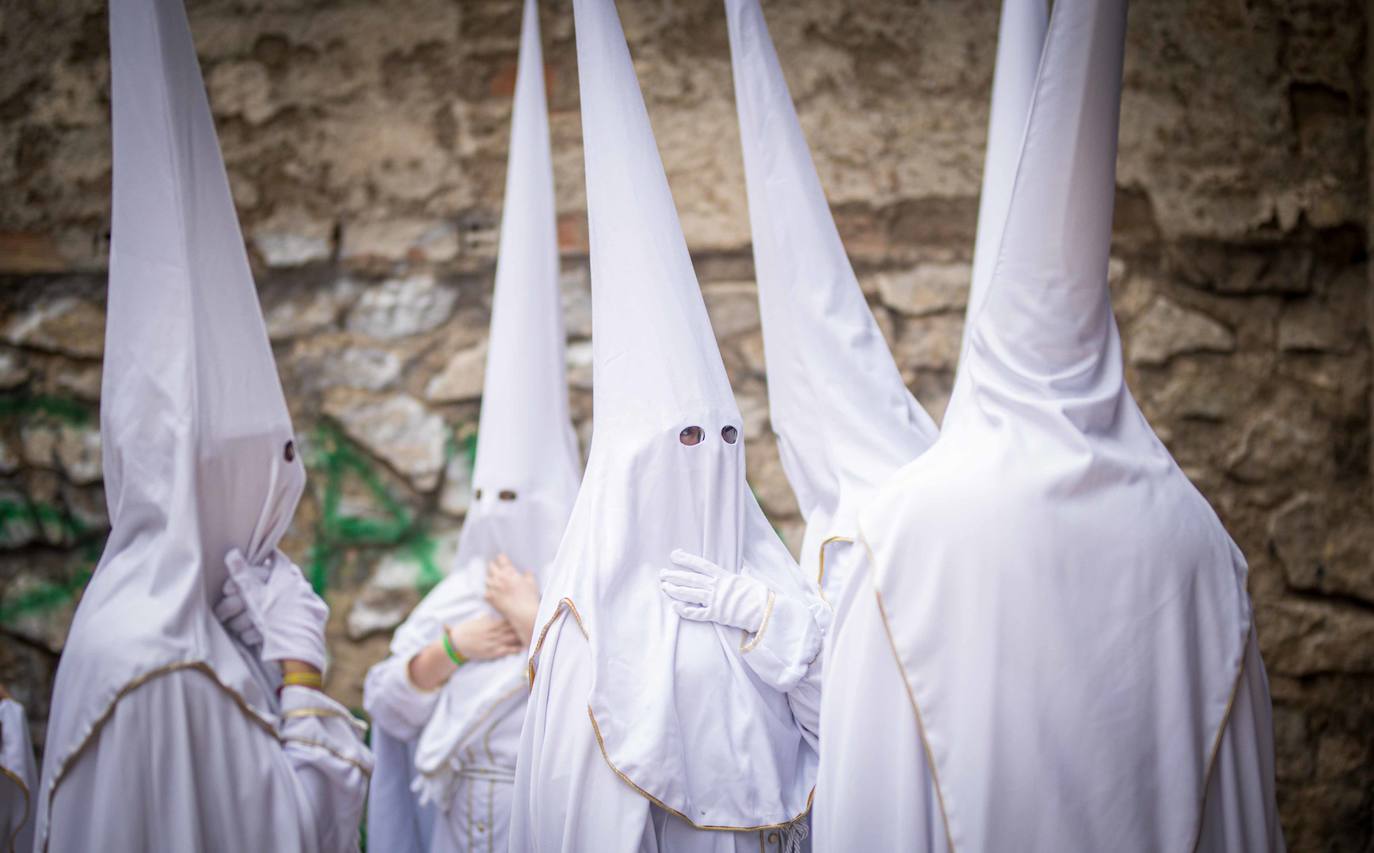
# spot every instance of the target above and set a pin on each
(366, 145)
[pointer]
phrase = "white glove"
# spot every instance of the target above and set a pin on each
(285, 612)
(233, 612)
(704, 592)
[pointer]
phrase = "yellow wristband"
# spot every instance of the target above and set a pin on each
(303, 679)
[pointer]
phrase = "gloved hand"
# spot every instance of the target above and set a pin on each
(281, 607)
(704, 592)
(233, 612)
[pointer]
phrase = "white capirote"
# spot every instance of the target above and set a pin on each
(446, 757)
(694, 721)
(1070, 660)
(166, 731)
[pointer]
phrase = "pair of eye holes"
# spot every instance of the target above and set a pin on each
(694, 435)
(504, 494)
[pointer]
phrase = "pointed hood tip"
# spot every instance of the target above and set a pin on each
(653, 347)
(844, 417)
(525, 431)
(1046, 317)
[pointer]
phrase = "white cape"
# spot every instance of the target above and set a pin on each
(844, 419)
(1067, 616)
(525, 480)
(677, 712)
(18, 778)
(198, 460)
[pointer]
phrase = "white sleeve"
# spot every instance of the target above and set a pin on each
(785, 653)
(394, 702)
(323, 743)
(20, 778)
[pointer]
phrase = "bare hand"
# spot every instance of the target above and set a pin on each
(485, 638)
(514, 594)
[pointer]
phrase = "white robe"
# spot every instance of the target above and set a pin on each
(567, 796)
(18, 779)
(477, 816)
(876, 791)
(234, 785)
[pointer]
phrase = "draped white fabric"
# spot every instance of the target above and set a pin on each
(1068, 617)
(678, 711)
(240, 786)
(18, 778)
(844, 419)
(197, 445)
(525, 480)
(900, 807)
(1020, 39)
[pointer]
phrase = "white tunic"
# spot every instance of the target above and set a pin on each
(477, 815)
(568, 798)
(18, 779)
(231, 781)
(1065, 616)
(876, 791)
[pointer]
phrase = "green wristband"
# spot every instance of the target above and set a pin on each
(458, 660)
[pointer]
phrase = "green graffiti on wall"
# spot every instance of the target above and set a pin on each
(25, 519)
(333, 461)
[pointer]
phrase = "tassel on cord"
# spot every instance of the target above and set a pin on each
(794, 835)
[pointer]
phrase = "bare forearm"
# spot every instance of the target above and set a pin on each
(431, 666)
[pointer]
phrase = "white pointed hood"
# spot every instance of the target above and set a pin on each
(844, 419)
(527, 469)
(664, 688)
(1020, 38)
(1068, 614)
(197, 439)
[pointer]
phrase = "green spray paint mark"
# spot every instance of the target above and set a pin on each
(63, 409)
(22, 522)
(333, 460)
(336, 460)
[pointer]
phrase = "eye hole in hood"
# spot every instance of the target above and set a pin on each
(729, 434)
(692, 435)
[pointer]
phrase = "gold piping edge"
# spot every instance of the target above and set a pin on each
(1221, 731)
(491, 816)
(129, 687)
(746, 644)
(470, 811)
(910, 693)
(297, 713)
(28, 806)
(820, 575)
(318, 744)
(920, 721)
(539, 644)
(596, 729)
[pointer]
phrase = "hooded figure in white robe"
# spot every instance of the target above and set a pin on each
(1058, 633)
(844, 419)
(675, 678)
(456, 746)
(18, 779)
(167, 731)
